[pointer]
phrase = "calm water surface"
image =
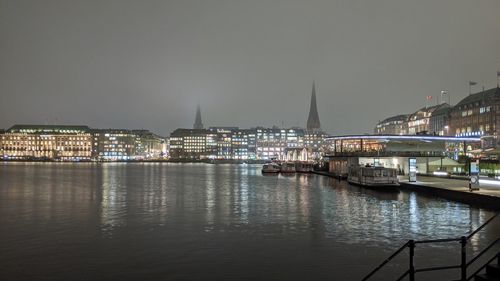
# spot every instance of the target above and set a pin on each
(121, 221)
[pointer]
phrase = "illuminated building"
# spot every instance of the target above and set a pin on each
(224, 141)
(392, 126)
(433, 153)
(475, 115)
(239, 144)
(272, 143)
(313, 143)
(418, 122)
(114, 144)
(47, 142)
(188, 144)
(147, 145)
(123, 145)
(439, 122)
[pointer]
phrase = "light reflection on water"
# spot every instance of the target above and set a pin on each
(201, 221)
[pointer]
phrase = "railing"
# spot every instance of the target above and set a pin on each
(463, 266)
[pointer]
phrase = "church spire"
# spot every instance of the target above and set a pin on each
(197, 122)
(313, 120)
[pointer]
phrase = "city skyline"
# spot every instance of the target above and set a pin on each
(144, 65)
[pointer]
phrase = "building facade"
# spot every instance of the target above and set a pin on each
(394, 125)
(418, 122)
(78, 143)
(47, 142)
(232, 143)
(439, 122)
(476, 115)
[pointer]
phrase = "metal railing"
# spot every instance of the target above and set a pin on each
(463, 266)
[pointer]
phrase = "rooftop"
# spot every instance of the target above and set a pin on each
(23, 128)
(487, 94)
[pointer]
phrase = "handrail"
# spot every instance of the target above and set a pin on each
(386, 261)
(464, 265)
(482, 226)
(437, 240)
(437, 268)
(482, 267)
(404, 275)
(483, 251)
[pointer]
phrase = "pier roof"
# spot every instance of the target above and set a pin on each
(406, 137)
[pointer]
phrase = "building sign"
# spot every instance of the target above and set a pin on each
(412, 167)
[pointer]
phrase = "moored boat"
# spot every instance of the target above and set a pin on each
(373, 177)
(303, 167)
(271, 168)
(288, 167)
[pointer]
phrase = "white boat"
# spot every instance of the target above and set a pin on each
(303, 167)
(375, 177)
(288, 167)
(271, 168)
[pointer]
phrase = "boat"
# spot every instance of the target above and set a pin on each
(288, 167)
(270, 168)
(374, 177)
(303, 167)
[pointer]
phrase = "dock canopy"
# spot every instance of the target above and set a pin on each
(398, 145)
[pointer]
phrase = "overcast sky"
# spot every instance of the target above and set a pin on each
(146, 64)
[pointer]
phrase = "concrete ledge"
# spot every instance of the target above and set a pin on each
(471, 198)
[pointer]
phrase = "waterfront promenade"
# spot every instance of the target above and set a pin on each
(488, 195)
(485, 188)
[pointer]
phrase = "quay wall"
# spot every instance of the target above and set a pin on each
(470, 198)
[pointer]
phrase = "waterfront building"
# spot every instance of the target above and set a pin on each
(239, 144)
(188, 144)
(176, 147)
(418, 122)
(114, 144)
(313, 143)
(47, 142)
(439, 122)
(224, 142)
(252, 143)
(475, 115)
(432, 153)
(232, 143)
(165, 147)
(148, 145)
(271, 143)
(124, 145)
(394, 125)
(212, 143)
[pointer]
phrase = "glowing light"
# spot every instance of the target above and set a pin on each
(396, 137)
(492, 182)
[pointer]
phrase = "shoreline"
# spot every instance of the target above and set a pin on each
(461, 195)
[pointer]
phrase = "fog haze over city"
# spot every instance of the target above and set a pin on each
(147, 64)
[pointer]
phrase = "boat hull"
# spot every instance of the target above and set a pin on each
(270, 171)
(376, 186)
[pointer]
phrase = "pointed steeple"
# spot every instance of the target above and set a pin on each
(197, 121)
(313, 120)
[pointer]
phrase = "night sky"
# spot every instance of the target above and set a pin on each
(146, 64)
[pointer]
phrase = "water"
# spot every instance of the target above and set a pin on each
(118, 221)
